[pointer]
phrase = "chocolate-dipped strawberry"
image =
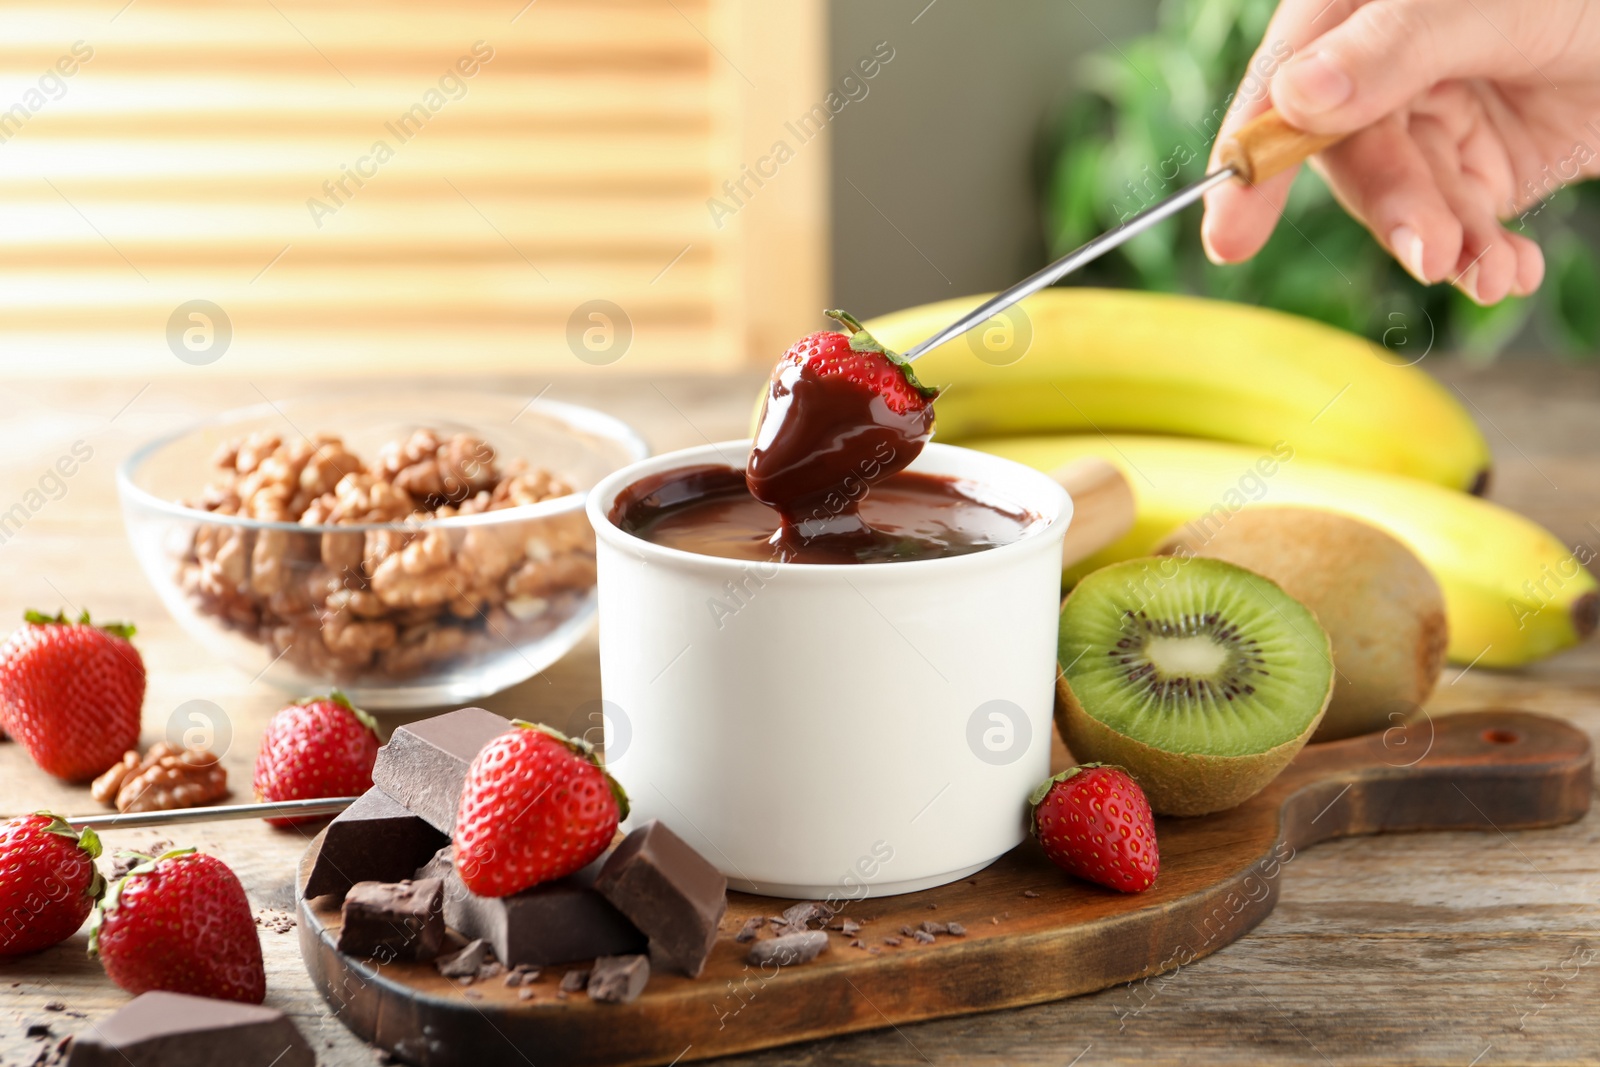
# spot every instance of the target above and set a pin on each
(842, 413)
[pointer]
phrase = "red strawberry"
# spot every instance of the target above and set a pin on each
(319, 747)
(858, 357)
(1095, 823)
(536, 805)
(70, 692)
(48, 881)
(181, 923)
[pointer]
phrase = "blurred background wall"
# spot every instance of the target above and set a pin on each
(348, 187)
(936, 177)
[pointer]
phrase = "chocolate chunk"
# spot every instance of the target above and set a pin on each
(394, 920)
(175, 1030)
(955, 929)
(798, 915)
(38, 1031)
(555, 922)
(793, 948)
(893, 942)
(1030, 894)
(922, 936)
(425, 763)
(373, 840)
(618, 979)
(467, 963)
(670, 892)
(573, 981)
(935, 928)
(751, 927)
(850, 929)
(521, 975)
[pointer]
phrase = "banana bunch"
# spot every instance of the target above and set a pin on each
(1513, 592)
(1108, 361)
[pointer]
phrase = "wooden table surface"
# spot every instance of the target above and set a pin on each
(1437, 948)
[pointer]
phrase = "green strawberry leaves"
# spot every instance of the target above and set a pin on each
(85, 839)
(579, 747)
(862, 341)
(124, 630)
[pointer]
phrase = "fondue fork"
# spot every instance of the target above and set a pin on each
(1260, 149)
(277, 809)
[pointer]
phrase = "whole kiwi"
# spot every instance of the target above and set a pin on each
(1381, 607)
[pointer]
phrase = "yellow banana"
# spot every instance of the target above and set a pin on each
(1513, 592)
(1087, 360)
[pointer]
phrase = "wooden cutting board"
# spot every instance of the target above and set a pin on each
(1033, 934)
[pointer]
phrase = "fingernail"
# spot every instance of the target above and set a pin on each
(1407, 248)
(1468, 283)
(1205, 242)
(1315, 83)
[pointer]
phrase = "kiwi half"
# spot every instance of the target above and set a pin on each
(1203, 679)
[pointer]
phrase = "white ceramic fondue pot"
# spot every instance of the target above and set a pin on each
(834, 731)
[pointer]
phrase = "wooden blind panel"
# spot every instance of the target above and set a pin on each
(574, 165)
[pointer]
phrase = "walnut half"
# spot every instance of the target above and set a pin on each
(166, 778)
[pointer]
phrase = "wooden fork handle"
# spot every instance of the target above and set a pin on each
(1267, 145)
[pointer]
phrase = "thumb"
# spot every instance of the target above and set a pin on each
(1388, 52)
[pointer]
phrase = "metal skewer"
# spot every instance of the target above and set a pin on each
(1258, 150)
(1070, 262)
(277, 809)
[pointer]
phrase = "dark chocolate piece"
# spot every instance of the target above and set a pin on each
(425, 763)
(752, 926)
(373, 840)
(669, 891)
(573, 981)
(474, 961)
(935, 928)
(556, 922)
(955, 930)
(394, 920)
(176, 1030)
(618, 979)
(791, 948)
(798, 915)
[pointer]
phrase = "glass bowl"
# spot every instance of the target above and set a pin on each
(400, 613)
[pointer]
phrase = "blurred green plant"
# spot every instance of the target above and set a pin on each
(1141, 127)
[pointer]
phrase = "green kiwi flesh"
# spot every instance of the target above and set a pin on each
(1202, 678)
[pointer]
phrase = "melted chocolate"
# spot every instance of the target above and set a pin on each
(708, 510)
(822, 443)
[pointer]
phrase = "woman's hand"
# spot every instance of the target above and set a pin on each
(1466, 111)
